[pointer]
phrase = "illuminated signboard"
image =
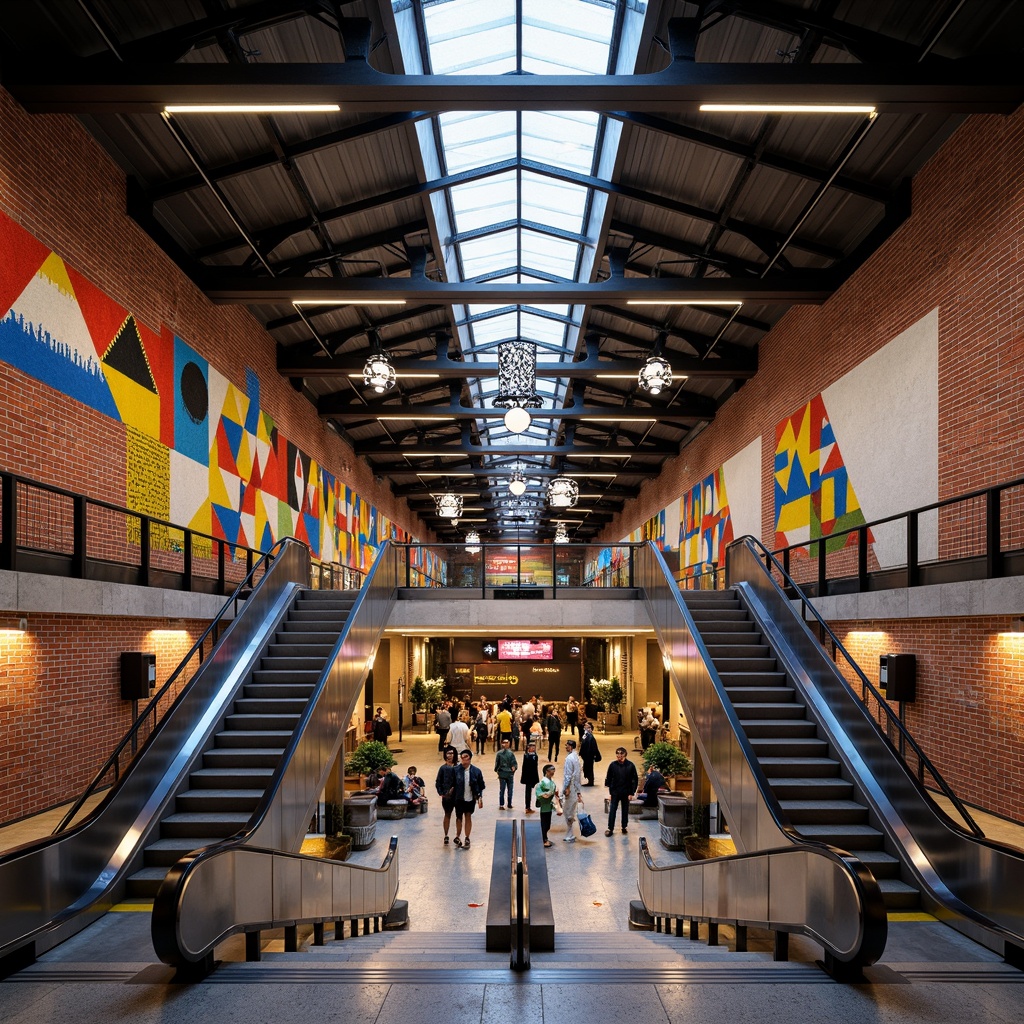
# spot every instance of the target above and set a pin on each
(526, 650)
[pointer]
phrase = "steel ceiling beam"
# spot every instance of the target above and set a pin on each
(807, 287)
(83, 87)
(420, 448)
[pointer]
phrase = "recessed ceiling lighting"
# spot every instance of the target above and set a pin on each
(786, 108)
(252, 108)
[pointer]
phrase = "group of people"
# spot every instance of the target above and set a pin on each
(475, 724)
(460, 785)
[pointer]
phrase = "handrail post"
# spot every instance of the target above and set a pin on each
(9, 522)
(862, 559)
(79, 537)
(993, 529)
(822, 568)
(632, 551)
(145, 551)
(221, 574)
(187, 567)
(913, 570)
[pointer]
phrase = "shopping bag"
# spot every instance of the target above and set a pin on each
(587, 826)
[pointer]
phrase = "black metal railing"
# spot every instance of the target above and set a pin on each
(172, 691)
(519, 918)
(50, 530)
(518, 570)
(886, 719)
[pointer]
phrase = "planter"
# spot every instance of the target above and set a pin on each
(338, 847)
(362, 836)
(704, 848)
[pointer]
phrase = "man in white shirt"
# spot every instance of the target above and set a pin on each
(571, 794)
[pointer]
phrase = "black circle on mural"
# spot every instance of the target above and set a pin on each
(194, 396)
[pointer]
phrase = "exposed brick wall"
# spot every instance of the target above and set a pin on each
(61, 697)
(969, 712)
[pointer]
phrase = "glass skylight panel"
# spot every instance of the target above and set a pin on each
(552, 255)
(488, 201)
(558, 204)
(490, 23)
(474, 139)
(550, 331)
(490, 253)
(563, 139)
(549, 24)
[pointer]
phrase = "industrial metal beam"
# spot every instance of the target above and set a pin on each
(80, 87)
(228, 287)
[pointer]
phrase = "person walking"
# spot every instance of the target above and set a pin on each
(381, 727)
(503, 722)
(505, 765)
(553, 727)
(530, 774)
(622, 782)
(571, 794)
(572, 714)
(445, 786)
(480, 729)
(589, 754)
(546, 793)
(458, 735)
(469, 795)
(442, 724)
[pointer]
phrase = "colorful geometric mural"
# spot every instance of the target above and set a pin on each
(653, 529)
(814, 496)
(705, 526)
(200, 450)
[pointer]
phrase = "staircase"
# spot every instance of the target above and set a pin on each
(819, 803)
(220, 796)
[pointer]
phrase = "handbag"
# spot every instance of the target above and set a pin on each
(587, 826)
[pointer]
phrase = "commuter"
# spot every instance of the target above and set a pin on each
(530, 775)
(553, 727)
(381, 727)
(458, 735)
(546, 793)
(572, 714)
(589, 753)
(571, 795)
(480, 727)
(517, 726)
(442, 723)
(503, 721)
(444, 784)
(505, 765)
(648, 728)
(469, 794)
(622, 782)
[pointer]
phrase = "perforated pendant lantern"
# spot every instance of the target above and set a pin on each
(378, 373)
(472, 542)
(561, 534)
(517, 382)
(655, 375)
(563, 492)
(449, 506)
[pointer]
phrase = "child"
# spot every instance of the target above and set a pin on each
(413, 787)
(546, 793)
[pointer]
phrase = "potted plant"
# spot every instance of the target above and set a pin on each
(370, 756)
(418, 696)
(667, 758)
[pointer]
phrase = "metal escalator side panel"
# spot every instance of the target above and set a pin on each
(978, 880)
(48, 883)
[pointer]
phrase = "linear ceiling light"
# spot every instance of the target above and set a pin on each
(252, 108)
(348, 302)
(786, 108)
(683, 302)
(399, 373)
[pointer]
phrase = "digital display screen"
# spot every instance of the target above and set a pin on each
(526, 650)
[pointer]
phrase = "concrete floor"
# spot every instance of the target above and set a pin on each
(438, 969)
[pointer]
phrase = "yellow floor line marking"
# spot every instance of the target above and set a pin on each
(122, 908)
(911, 915)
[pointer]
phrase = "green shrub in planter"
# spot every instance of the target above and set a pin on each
(668, 759)
(369, 756)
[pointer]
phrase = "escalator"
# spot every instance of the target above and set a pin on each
(830, 821)
(231, 775)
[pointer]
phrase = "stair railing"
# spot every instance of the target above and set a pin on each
(867, 688)
(129, 742)
(519, 922)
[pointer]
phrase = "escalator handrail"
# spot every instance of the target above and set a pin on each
(172, 890)
(132, 732)
(869, 687)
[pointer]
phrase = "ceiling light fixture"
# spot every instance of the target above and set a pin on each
(655, 375)
(561, 534)
(786, 108)
(472, 542)
(517, 381)
(449, 506)
(378, 373)
(684, 302)
(348, 302)
(563, 492)
(252, 108)
(517, 482)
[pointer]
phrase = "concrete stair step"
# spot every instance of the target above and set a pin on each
(744, 695)
(777, 728)
(769, 710)
(882, 864)
(230, 778)
(825, 812)
(271, 705)
(720, 615)
(812, 788)
(327, 616)
(164, 852)
(286, 649)
(261, 691)
(754, 678)
(898, 895)
(217, 800)
(262, 723)
(275, 662)
(226, 758)
(777, 766)
(846, 837)
(796, 746)
(308, 676)
(253, 738)
(719, 652)
(296, 632)
(732, 637)
(706, 598)
(203, 823)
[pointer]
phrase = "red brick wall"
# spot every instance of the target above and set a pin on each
(969, 712)
(962, 251)
(62, 706)
(59, 685)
